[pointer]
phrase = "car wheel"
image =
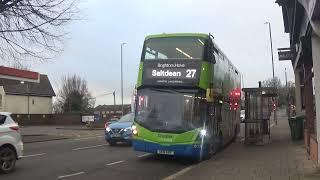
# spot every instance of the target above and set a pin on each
(8, 159)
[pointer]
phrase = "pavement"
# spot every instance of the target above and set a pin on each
(282, 159)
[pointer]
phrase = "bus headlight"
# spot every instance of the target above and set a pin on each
(203, 132)
(108, 129)
(135, 132)
(133, 127)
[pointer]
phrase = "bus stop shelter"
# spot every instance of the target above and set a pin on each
(259, 103)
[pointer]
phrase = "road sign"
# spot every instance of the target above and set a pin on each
(88, 118)
(286, 54)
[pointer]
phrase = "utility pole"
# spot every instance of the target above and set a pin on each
(114, 97)
(121, 56)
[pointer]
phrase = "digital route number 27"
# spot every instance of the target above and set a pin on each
(191, 73)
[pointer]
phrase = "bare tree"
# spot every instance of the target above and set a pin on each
(20, 65)
(74, 96)
(271, 82)
(285, 94)
(34, 29)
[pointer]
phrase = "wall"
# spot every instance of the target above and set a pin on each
(52, 119)
(47, 119)
(37, 105)
(316, 70)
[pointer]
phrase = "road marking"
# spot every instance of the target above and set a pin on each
(89, 147)
(143, 155)
(33, 155)
(69, 175)
(113, 163)
(179, 173)
(78, 139)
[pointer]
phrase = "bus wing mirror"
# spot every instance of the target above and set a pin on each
(209, 95)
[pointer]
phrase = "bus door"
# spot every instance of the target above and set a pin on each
(214, 123)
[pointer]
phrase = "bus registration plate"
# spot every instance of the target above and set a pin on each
(165, 152)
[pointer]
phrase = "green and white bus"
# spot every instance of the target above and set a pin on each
(187, 97)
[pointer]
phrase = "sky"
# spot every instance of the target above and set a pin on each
(92, 49)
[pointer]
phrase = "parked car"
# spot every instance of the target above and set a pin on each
(120, 131)
(11, 146)
(242, 115)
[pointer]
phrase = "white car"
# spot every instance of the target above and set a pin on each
(11, 146)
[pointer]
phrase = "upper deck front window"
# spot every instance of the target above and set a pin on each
(174, 48)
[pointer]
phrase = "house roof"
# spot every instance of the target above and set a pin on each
(15, 87)
(7, 71)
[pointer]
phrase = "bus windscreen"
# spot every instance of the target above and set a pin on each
(173, 48)
(168, 110)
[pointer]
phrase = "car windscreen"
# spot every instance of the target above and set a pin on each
(127, 118)
(173, 48)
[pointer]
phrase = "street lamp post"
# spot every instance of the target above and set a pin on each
(287, 89)
(271, 48)
(113, 93)
(121, 57)
(273, 79)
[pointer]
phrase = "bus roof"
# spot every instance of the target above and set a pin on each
(164, 35)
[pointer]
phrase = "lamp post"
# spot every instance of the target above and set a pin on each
(287, 89)
(271, 48)
(273, 79)
(114, 97)
(28, 103)
(113, 93)
(121, 57)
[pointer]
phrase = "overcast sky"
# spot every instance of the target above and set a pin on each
(93, 49)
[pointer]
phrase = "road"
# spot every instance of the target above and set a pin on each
(90, 158)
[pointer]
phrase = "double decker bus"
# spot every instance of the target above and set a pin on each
(187, 97)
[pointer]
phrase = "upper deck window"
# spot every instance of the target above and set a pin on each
(174, 48)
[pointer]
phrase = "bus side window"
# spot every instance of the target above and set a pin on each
(212, 54)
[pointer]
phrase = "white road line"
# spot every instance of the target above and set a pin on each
(33, 155)
(89, 147)
(113, 163)
(179, 173)
(78, 139)
(69, 175)
(143, 155)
